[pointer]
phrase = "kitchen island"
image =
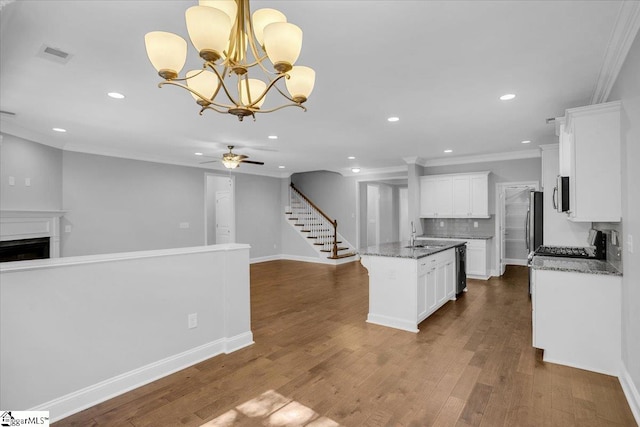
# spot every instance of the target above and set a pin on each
(409, 283)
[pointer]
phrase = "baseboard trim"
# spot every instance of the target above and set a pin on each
(392, 322)
(630, 391)
(77, 401)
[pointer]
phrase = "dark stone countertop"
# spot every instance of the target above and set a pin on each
(399, 249)
(454, 235)
(574, 265)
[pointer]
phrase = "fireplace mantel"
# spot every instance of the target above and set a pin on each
(29, 224)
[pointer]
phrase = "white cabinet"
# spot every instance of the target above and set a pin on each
(436, 282)
(576, 319)
(478, 262)
(455, 196)
(590, 157)
(404, 291)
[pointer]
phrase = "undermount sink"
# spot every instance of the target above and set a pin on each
(423, 246)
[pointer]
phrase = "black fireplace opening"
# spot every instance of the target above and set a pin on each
(24, 249)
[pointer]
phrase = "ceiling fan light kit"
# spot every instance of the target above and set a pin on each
(232, 160)
(232, 43)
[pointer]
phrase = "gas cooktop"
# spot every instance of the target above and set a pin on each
(565, 251)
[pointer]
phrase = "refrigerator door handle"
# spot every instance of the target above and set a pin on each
(526, 230)
(554, 199)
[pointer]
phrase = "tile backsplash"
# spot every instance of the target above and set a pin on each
(486, 226)
(614, 252)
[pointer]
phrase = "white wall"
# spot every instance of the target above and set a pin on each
(75, 331)
(23, 159)
(627, 90)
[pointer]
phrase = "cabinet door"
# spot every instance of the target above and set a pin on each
(479, 185)
(461, 195)
(450, 280)
(476, 261)
(430, 284)
(428, 194)
(444, 196)
(441, 283)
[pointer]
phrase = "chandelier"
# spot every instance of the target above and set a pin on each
(231, 43)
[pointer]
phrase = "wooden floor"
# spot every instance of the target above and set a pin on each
(317, 362)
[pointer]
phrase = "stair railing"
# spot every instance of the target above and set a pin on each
(315, 221)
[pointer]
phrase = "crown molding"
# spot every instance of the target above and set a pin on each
(378, 171)
(496, 157)
(545, 147)
(132, 156)
(412, 160)
(622, 37)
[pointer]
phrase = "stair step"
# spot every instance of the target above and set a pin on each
(293, 218)
(331, 250)
(340, 256)
(299, 225)
(311, 237)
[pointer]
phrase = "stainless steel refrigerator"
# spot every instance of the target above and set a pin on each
(533, 226)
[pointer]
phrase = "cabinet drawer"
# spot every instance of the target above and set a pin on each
(426, 264)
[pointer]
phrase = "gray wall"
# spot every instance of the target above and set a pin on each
(121, 205)
(22, 159)
(627, 89)
(258, 214)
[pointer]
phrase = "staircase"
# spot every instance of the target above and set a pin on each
(319, 229)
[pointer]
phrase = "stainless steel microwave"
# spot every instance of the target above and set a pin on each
(561, 194)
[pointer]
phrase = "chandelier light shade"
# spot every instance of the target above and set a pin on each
(167, 52)
(234, 46)
(264, 17)
(203, 82)
(300, 82)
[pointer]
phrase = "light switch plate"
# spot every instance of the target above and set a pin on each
(12, 180)
(192, 320)
(630, 243)
(27, 182)
(475, 224)
(183, 225)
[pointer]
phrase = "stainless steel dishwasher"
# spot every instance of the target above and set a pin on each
(461, 268)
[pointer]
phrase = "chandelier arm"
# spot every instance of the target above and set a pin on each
(281, 107)
(221, 80)
(199, 95)
(286, 96)
(210, 107)
(269, 86)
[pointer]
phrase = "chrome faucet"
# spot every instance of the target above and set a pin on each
(412, 239)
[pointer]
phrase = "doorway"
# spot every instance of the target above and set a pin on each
(219, 215)
(512, 204)
(373, 214)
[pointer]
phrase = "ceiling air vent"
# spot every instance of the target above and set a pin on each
(53, 54)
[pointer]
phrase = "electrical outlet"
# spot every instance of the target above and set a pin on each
(12, 180)
(183, 225)
(27, 182)
(192, 320)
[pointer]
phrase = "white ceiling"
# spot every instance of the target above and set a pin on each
(438, 65)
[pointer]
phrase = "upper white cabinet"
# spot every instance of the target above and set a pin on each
(455, 196)
(590, 157)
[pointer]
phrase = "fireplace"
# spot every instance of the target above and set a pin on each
(24, 249)
(29, 234)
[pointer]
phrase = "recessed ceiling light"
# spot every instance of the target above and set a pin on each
(448, 151)
(273, 136)
(116, 95)
(355, 170)
(507, 97)
(198, 154)
(393, 119)
(280, 167)
(526, 141)
(351, 157)
(59, 130)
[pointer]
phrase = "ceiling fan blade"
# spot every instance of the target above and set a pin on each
(252, 162)
(210, 161)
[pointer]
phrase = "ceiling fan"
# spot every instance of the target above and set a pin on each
(232, 160)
